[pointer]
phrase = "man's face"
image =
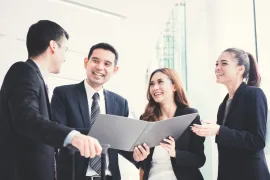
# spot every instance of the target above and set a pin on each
(100, 67)
(59, 50)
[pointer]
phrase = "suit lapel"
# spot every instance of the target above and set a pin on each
(35, 67)
(234, 102)
(221, 110)
(83, 103)
(109, 102)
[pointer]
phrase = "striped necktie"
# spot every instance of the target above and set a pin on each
(95, 163)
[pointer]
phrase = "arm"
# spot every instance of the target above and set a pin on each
(254, 137)
(24, 107)
(195, 155)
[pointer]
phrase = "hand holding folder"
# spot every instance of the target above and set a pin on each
(124, 133)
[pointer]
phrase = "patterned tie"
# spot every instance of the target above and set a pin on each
(95, 163)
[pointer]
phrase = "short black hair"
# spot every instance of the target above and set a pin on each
(104, 46)
(40, 34)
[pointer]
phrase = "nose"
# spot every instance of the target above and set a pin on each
(100, 66)
(217, 68)
(155, 87)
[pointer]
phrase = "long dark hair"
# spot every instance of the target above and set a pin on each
(152, 111)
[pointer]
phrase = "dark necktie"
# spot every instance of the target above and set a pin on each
(95, 163)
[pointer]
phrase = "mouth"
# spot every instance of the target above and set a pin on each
(219, 74)
(98, 74)
(157, 93)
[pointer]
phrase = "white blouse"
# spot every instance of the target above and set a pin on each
(161, 167)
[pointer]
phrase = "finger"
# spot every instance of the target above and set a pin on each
(198, 126)
(168, 141)
(206, 122)
(166, 145)
(80, 147)
(86, 149)
(146, 148)
(137, 154)
(98, 147)
(142, 150)
(92, 147)
(171, 138)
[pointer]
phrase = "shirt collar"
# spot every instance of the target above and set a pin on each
(90, 91)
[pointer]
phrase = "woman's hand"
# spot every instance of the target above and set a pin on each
(206, 129)
(169, 145)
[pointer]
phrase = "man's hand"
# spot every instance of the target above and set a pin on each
(141, 152)
(88, 146)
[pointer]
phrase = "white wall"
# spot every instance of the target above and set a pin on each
(131, 26)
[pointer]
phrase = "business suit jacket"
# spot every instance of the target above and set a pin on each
(25, 128)
(241, 139)
(189, 152)
(70, 107)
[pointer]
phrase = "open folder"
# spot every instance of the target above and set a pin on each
(124, 133)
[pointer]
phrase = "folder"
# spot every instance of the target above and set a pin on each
(124, 133)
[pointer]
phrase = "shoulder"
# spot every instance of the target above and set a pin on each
(65, 89)
(116, 96)
(187, 110)
(21, 67)
(252, 92)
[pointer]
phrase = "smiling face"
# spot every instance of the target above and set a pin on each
(161, 88)
(227, 71)
(100, 67)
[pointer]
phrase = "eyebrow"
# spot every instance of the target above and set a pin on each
(224, 60)
(94, 57)
(157, 79)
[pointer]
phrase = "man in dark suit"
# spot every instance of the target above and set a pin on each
(27, 136)
(73, 106)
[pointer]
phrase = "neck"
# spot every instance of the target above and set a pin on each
(232, 88)
(96, 88)
(43, 62)
(168, 110)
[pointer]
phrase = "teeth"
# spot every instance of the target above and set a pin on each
(157, 94)
(219, 74)
(98, 74)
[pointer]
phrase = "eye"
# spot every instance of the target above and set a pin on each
(160, 81)
(107, 64)
(151, 84)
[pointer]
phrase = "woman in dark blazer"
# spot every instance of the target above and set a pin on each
(180, 159)
(241, 121)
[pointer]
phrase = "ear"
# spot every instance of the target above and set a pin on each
(241, 69)
(174, 89)
(85, 62)
(116, 68)
(52, 45)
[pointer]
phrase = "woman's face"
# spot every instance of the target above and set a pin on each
(161, 88)
(227, 71)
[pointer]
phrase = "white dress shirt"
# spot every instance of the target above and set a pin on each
(90, 92)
